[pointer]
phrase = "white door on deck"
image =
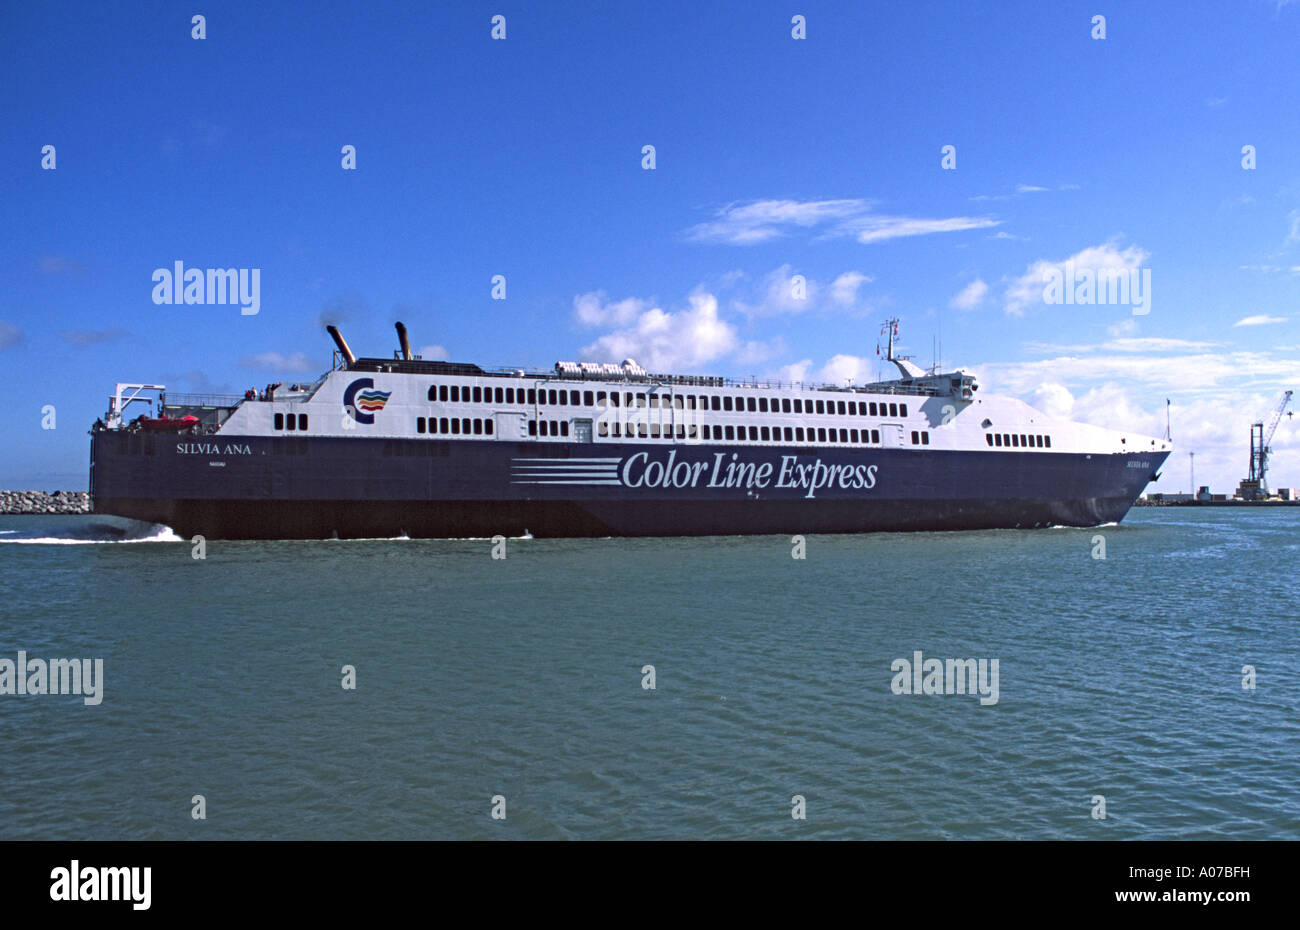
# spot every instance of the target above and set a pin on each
(510, 425)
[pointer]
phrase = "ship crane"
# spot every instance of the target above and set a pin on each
(1255, 486)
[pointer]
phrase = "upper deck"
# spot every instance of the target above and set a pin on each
(413, 398)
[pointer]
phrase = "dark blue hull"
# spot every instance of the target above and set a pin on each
(318, 487)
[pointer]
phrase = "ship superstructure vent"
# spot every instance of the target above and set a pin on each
(595, 371)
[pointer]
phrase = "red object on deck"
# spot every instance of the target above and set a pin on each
(168, 424)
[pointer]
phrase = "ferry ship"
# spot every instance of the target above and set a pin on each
(380, 447)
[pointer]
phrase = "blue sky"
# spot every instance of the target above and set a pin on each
(775, 157)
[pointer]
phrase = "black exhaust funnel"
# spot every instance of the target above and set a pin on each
(341, 343)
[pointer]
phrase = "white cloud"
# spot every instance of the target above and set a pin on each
(1053, 399)
(756, 353)
(765, 220)
(1023, 189)
(1130, 344)
(844, 289)
(971, 296)
(762, 220)
(277, 363)
(1125, 327)
(1155, 344)
(1270, 269)
(669, 341)
(846, 368)
(1203, 372)
(795, 373)
(1259, 319)
(681, 340)
(1027, 290)
(1215, 399)
(593, 310)
(869, 229)
(434, 353)
(838, 370)
(1213, 426)
(777, 294)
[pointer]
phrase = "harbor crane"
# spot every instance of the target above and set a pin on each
(1255, 485)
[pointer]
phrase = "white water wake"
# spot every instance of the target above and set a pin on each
(94, 531)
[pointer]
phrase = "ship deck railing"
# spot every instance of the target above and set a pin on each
(937, 385)
(202, 400)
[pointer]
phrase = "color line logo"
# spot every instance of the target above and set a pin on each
(361, 401)
(370, 401)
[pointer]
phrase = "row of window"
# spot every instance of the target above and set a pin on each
(709, 432)
(454, 393)
(1017, 441)
(291, 421)
(548, 428)
(453, 426)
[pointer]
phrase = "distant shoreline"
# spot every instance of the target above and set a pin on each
(36, 503)
(1274, 503)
